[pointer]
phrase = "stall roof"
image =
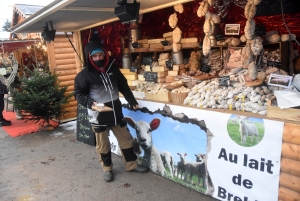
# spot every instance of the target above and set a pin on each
(76, 15)
(13, 45)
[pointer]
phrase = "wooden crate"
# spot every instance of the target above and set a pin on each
(290, 114)
(166, 97)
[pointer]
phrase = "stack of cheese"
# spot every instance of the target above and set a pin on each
(161, 69)
(189, 42)
(130, 76)
(155, 44)
(178, 69)
(143, 43)
(168, 37)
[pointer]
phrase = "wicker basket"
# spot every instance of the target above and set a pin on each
(178, 98)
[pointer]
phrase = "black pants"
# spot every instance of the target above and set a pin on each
(1, 106)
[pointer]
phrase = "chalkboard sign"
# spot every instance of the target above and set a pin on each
(165, 43)
(219, 37)
(260, 30)
(150, 76)
(169, 64)
(205, 68)
(224, 81)
(147, 60)
(133, 68)
(135, 45)
(274, 64)
(84, 132)
(273, 7)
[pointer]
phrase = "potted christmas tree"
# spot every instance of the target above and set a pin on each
(40, 97)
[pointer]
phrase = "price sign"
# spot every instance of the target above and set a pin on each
(84, 132)
(224, 81)
(219, 37)
(133, 68)
(147, 60)
(169, 64)
(135, 45)
(150, 76)
(165, 43)
(274, 64)
(205, 68)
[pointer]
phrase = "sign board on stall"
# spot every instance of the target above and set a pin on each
(165, 43)
(133, 68)
(84, 132)
(150, 76)
(205, 68)
(169, 64)
(224, 81)
(147, 60)
(274, 64)
(219, 37)
(135, 45)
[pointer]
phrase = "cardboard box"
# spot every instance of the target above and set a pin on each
(163, 97)
(290, 114)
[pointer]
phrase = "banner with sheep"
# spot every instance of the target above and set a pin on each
(226, 156)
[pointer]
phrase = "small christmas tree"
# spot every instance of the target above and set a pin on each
(41, 96)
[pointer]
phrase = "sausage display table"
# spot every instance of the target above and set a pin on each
(206, 150)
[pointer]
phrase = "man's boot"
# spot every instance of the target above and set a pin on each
(108, 176)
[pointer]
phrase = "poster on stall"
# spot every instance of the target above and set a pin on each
(226, 156)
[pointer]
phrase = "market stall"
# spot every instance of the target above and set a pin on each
(208, 72)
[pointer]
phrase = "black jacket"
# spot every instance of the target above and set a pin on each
(3, 88)
(93, 86)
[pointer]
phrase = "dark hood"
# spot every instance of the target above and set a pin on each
(90, 47)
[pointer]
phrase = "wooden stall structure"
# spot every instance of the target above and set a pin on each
(289, 182)
(64, 61)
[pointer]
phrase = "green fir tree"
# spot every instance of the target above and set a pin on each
(41, 97)
(6, 25)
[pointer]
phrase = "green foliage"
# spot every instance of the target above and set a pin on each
(40, 96)
(6, 25)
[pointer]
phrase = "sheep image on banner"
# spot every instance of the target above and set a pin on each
(161, 155)
(244, 131)
(226, 156)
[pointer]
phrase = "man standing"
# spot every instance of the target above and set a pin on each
(100, 83)
(3, 90)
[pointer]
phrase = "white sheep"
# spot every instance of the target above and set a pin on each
(167, 160)
(181, 165)
(198, 169)
(247, 129)
(144, 136)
